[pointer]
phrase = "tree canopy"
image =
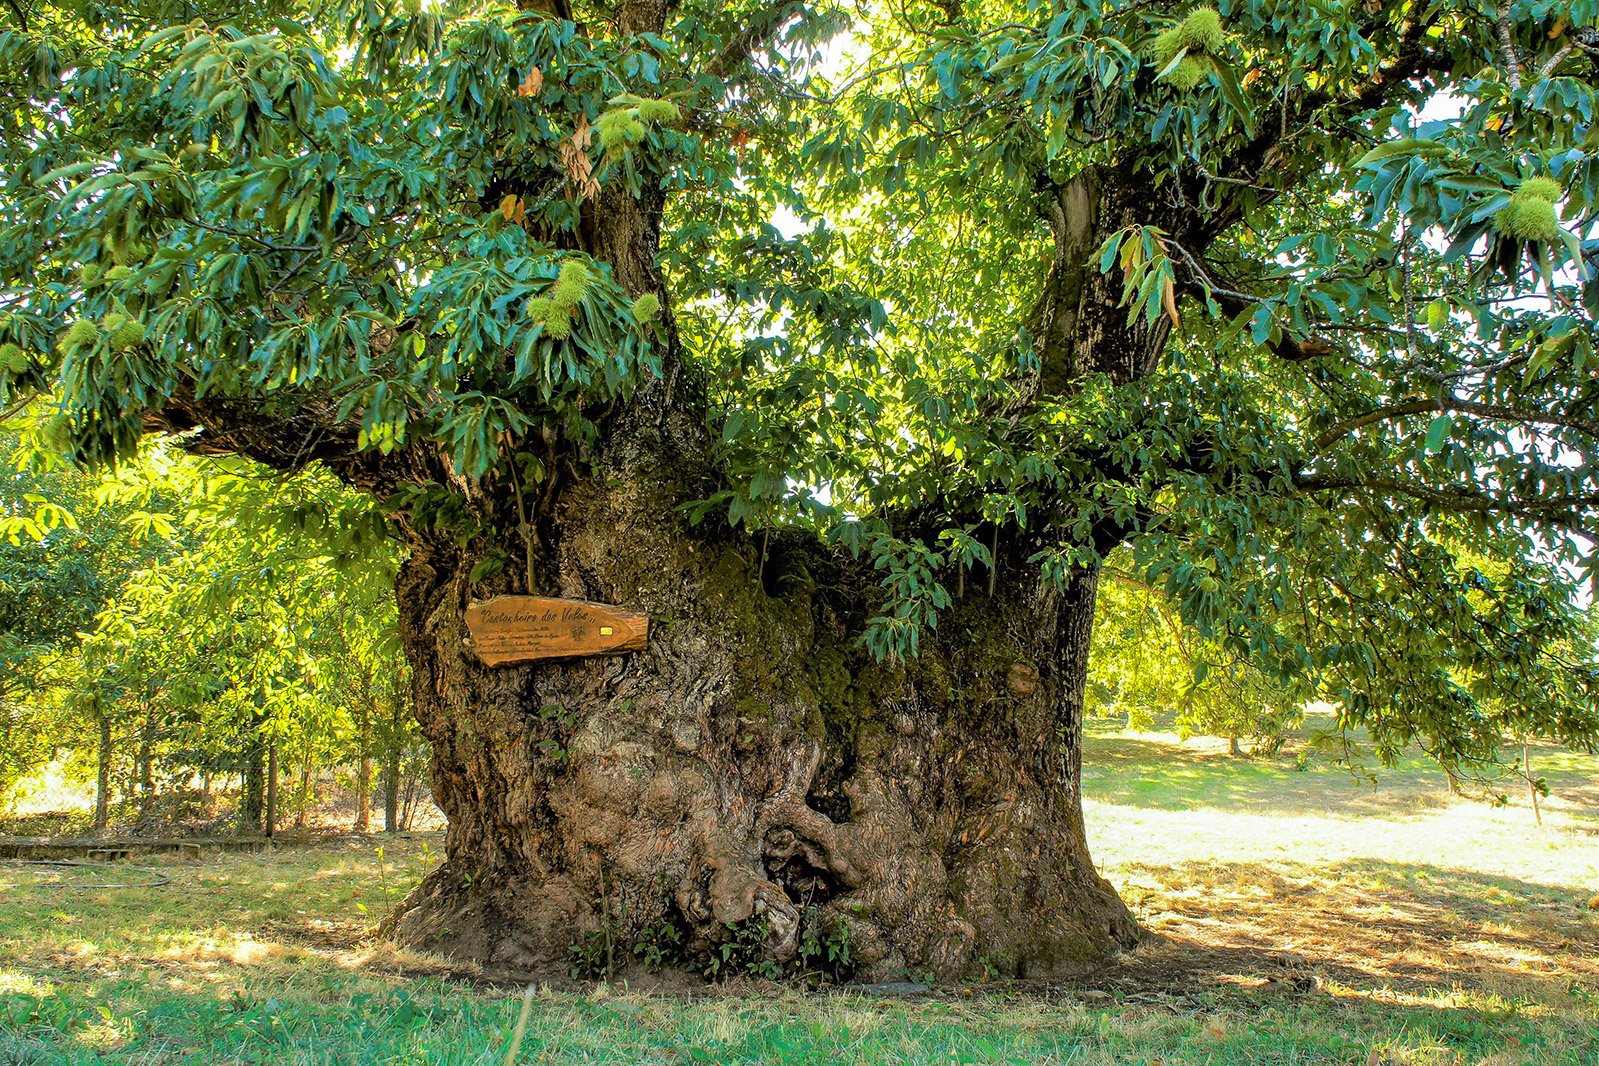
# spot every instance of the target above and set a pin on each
(1294, 300)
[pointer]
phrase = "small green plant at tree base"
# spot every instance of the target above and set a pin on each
(591, 956)
(824, 950)
(660, 943)
(824, 954)
(987, 970)
(743, 952)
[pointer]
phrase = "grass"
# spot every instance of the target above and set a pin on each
(1303, 917)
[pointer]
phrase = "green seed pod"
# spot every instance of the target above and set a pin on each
(1189, 73)
(13, 358)
(117, 273)
(571, 286)
(559, 325)
(128, 335)
(413, 8)
(1528, 220)
(620, 127)
(538, 308)
(658, 111)
(90, 274)
(577, 272)
(612, 123)
(1200, 33)
(80, 333)
(1546, 189)
(647, 307)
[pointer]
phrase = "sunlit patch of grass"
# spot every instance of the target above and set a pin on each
(22, 984)
(104, 1036)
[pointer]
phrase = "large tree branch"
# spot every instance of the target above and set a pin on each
(560, 9)
(1448, 402)
(1285, 347)
(288, 435)
(1571, 513)
(1415, 55)
(1507, 45)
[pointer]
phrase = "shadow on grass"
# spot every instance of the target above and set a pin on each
(1369, 927)
(1255, 963)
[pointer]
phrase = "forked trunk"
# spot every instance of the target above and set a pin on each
(752, 789)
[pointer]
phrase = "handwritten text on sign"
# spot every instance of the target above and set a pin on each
(515, 629)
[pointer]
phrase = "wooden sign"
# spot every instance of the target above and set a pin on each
(517, 629)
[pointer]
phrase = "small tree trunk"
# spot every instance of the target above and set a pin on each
(1532, 782)
(145, 766)
(253, 787)
(363, 794)
(102, 779)
(1232, 746)
(391, 781)
(272, 789)
(408, 808)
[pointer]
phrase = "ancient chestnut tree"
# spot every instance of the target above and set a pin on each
(848, 342)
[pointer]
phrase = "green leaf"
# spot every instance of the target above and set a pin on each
(1438, 432)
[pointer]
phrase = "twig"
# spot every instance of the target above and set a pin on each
(1554, 61)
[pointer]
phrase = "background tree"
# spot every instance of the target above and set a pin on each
(56, 574)
(1146, 663)
(199, 610)
(1065, 278)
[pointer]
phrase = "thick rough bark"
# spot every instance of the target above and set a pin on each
(1078, 323)
(751, 764)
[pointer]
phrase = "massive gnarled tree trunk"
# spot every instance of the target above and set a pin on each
(752, 763)
(754, 778)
